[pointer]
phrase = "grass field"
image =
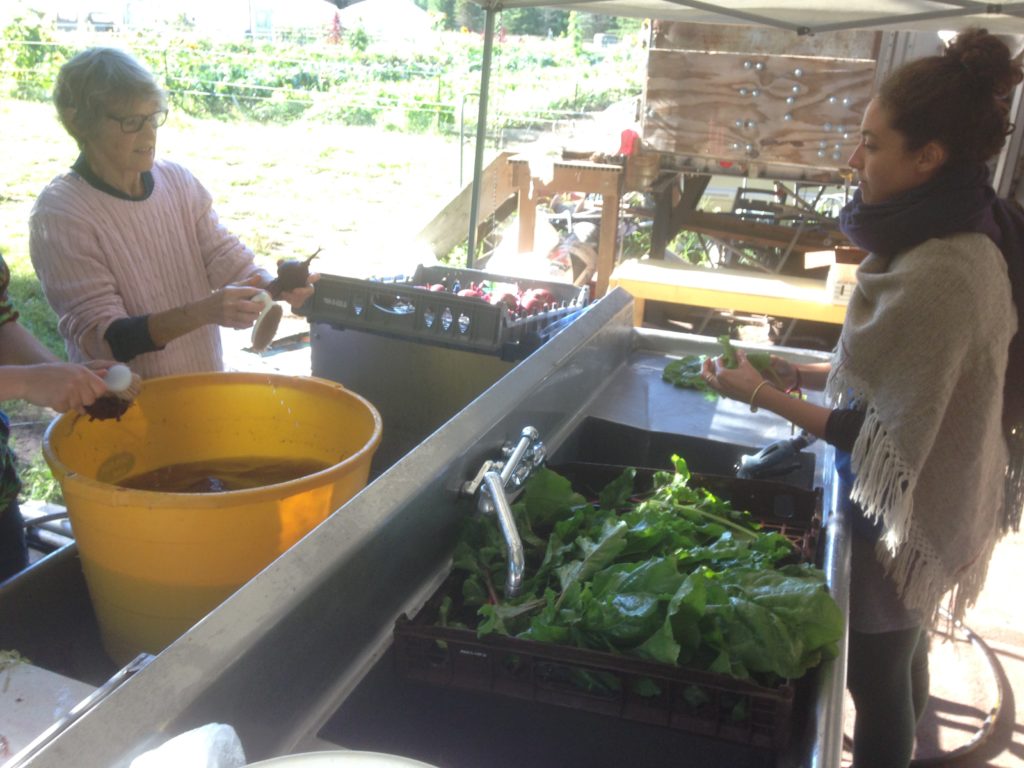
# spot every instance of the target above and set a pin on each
(359, 194)
(286, 190)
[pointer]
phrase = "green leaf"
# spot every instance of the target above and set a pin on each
(597, 553)
(628, 601)
(498, 617)
(777, 621)
(678, 637)
(762, 361)
(685, 373)
(728, 351)
(618, 492)
(547, 495)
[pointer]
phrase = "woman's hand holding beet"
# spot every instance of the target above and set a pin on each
(293, 275)
(296, 297)
(61, 386)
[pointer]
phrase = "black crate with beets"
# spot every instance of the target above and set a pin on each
(463, 309)
(687, 699)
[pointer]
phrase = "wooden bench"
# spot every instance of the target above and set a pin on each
(799, 298)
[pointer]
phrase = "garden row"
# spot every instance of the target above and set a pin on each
(536, 81)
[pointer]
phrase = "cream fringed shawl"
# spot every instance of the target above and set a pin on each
(924, 347)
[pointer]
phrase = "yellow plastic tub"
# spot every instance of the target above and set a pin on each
(155, 563)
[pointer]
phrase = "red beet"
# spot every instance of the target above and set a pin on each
(509, 299)
(535, 299)
(291, 274)
(107, 407)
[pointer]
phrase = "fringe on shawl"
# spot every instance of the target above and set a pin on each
(1014, 499)
(885, 483)
(926, 587)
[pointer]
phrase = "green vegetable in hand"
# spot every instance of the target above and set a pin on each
(728, 351)
(762, 361)
(686, 371)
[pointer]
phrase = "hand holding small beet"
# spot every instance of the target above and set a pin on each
(294, 282)
(291, 274)
(299, 296)
(61, 386)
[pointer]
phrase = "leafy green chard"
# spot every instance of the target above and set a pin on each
(685, 372)
(677, 576)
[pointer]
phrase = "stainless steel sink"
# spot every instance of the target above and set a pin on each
(601, 441)
(301, 652)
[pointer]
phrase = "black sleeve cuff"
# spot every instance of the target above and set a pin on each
(842, 428)
(129, 337)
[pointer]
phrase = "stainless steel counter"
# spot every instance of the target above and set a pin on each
(280, 656)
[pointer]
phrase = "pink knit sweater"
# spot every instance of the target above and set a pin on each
(101, 258)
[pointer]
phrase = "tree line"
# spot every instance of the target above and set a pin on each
(529, 21)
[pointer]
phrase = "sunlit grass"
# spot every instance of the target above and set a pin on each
(358, 193)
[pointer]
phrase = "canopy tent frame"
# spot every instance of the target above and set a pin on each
(897, 18)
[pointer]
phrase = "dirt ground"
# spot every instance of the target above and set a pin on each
(28, 423)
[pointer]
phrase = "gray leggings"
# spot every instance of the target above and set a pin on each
(888, 678)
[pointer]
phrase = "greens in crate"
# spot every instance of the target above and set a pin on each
(677, 576)
(685, 371)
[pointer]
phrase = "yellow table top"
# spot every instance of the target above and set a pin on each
(780, 295)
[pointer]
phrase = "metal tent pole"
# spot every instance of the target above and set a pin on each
(481, 133)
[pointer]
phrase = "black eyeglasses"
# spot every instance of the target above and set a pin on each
(135, 123)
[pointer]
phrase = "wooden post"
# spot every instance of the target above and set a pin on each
(572, 176)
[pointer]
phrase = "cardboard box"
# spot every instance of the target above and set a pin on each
(841, 280)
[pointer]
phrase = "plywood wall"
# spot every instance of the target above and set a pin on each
(730, 38)
(757, 108)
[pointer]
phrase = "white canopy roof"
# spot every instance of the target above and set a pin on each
(805, 16)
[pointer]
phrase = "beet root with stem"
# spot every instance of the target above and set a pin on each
(291, 274)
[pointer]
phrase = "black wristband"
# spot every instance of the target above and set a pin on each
(129, 337)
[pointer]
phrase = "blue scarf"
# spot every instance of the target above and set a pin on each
(959, 199)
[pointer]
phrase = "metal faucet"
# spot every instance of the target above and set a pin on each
(497, 482)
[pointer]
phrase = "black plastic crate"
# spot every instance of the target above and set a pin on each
(691, 700)
(398, 307)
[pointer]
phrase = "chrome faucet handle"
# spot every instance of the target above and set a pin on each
(521, 460)
(470, 487)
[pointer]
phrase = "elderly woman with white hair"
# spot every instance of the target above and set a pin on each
(131, 255)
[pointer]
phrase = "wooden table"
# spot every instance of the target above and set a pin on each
(800, 298)
(572, 176)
